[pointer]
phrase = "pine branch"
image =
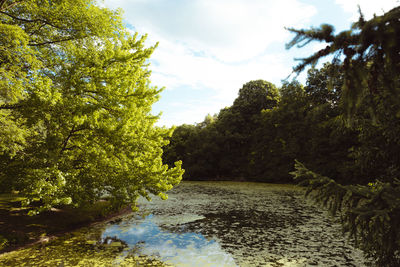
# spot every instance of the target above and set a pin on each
(370, 214)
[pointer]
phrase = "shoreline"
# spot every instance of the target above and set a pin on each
(74, 227)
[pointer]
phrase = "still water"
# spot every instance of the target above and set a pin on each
(206, 224)
(235, 224)
(182, 249)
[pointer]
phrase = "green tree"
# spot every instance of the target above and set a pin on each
(183, 146)
(281, 135)
(369, 213)
(324, 85)
(255, 96)
(197, 147)
(79, 100)
(238, 123)
(371, 52)
(377, 155)
(371, 70)
(219, 147)
(329, 140)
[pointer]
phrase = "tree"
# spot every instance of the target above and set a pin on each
(281, 135)
(371, 69)
(371, 51)
(255, 96)
(239, 122)
(329, 140)
(324, 85)
(220, 146)
(80, 101)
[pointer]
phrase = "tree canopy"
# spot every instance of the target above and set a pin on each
(75, 102)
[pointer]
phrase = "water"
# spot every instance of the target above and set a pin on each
(207, 224)
(184, 249)
(236, 224)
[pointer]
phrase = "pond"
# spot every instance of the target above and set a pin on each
(214, 224)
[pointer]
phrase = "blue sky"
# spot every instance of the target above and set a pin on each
(209, 48)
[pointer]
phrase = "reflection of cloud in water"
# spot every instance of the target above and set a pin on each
(185, 249)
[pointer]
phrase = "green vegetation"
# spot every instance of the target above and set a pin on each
(369, 213)
(76, 250)
(261, 143)
(75, 102)
(343, 124)
(17, 228)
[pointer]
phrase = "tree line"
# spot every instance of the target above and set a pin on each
(267, 128)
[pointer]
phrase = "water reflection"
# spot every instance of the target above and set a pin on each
(179, 249)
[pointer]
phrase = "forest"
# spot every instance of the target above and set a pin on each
(76, 124)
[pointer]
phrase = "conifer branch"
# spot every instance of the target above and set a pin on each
(370, 213)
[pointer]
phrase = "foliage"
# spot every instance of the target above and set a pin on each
(371, 51)
(253, 97)
(369, 213)
(377, 155)
(219, 147)
(277, 139)
(266, 128)
(195, 146)
(76, 105)
(3, 242)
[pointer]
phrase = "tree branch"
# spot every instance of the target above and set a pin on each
(6, 106)
(2, 2)
(45, 22)
(71, 133)
(67, 139)
(20, 19)
(51, 42)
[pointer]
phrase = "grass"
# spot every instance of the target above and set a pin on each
(18, 229)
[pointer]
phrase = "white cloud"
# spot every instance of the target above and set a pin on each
(368, 7)
(217, 46)
(214, 45)
(193, 111)
(177, 67)
(230, 30)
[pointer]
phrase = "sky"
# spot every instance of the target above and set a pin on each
(209, 48)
